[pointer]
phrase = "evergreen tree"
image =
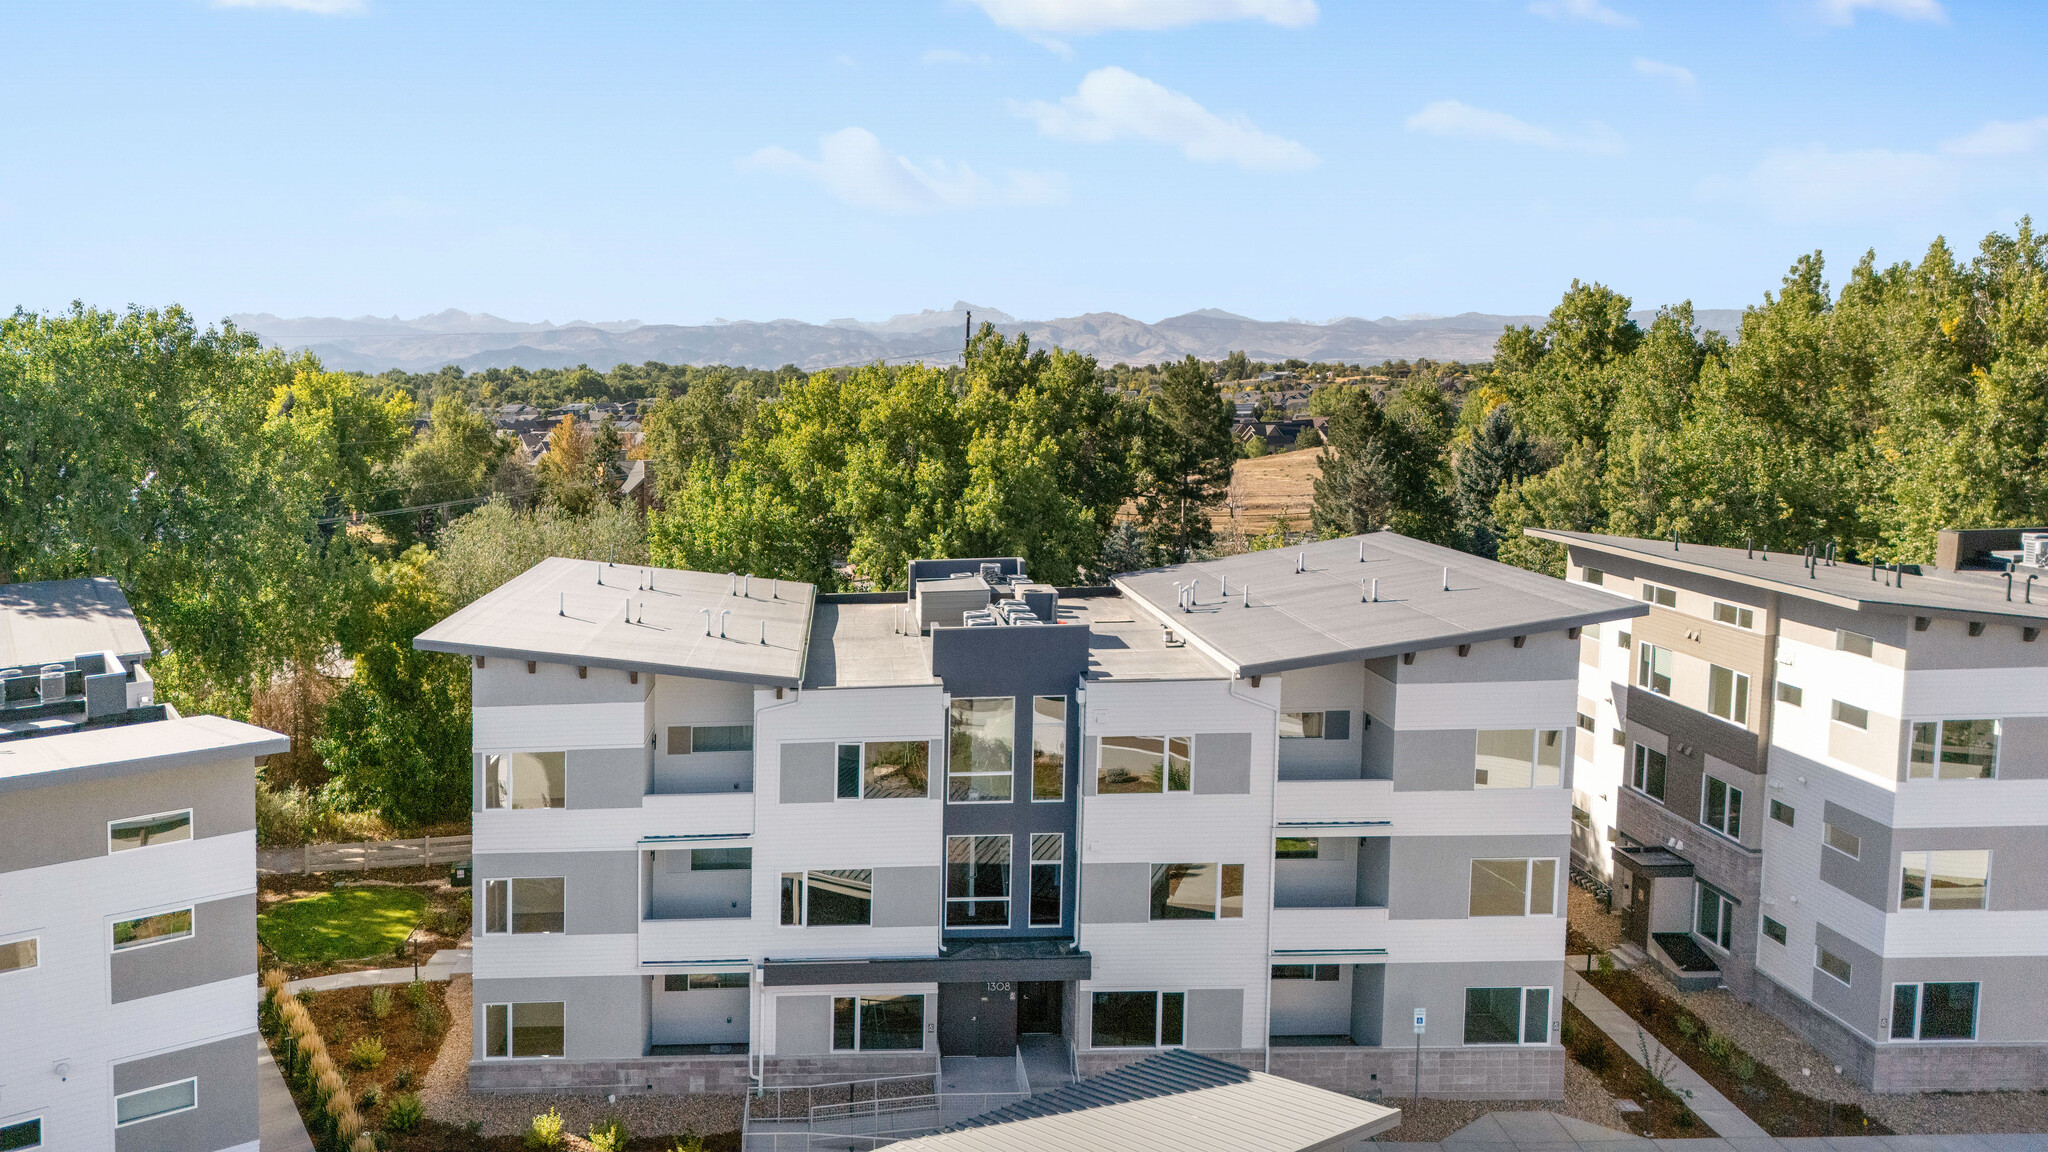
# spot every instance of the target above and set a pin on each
(1495, 456)
(1184, 455)
(1374, 476)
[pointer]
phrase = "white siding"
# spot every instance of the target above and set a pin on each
(547, 727)
(1491, 704)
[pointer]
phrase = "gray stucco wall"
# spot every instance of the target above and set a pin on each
(1116, 893)
(1215, 1018)
(803, 1025)
(504, 682)
(1432, 875)
(606, 777)
(906, 898)
(604, 1017)
(809, 773)
(222, 946)
(1434, 760)
(1865, 998)
(1368, 1003)
(1868, 876)
(226, 1115)
(1222, 763)
(42, 826)
(600, 893)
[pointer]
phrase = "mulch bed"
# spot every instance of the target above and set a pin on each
(1664, 1115)
(442, 926)
(434, 1137)
(1750, 1084)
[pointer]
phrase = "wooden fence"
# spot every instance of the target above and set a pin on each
(361, 857)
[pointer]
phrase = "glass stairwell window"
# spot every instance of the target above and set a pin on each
(979, 758)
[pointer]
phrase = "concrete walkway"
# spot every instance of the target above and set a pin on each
(438, 967)
(278, 1127)
(1549, 1132)
(1717, 1111)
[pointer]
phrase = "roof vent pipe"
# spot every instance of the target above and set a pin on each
(764, 631)
(733, 587)
(1674, 539)
(1447, 578)
(1749, 545)
(707, 620)
(562, 604)
(1247, 595)
(2029, 590)
(747, 586)
(1301, 561)
(774, 588)
(721, 622)
(1375, 589)
(1361, 551)
(2008, 586)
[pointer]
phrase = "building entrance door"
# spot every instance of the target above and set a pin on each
(1040, 1007)
(1636, 925)
(978, 1019)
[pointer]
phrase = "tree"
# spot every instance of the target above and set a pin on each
(461, 457)
(1184, 456)
(1123, 550)
(1373, 476)
(1495, 456)
(1237, 366)
(567, 471)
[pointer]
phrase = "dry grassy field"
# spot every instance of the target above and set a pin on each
(1265, 488)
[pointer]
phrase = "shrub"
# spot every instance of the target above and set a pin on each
(431, 1020)
(307, 996)
(1685, 1119)
(328, 1086)
(417, 993)
(380, 1001)
(366, 1053)
(609, 1135)
(342, 1031)
(364, 1143)
(369, 1097)
(1745, 1067)
(403, 1080)
(348, 1124)
(689, 1142)
(1592, 1056)
(1688, 1027)
(1720, 1049)
(546, 1130)
(405, 1112)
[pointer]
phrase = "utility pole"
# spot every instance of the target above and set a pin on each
(967, 337)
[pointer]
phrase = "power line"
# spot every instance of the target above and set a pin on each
(400, 511)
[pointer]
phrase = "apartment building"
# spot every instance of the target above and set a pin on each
(127, 891)
(1277, 808)
(1825, 785)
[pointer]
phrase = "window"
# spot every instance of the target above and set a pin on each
(826, 897)
(884, 770)
(1782, 813)
(877, 1023)
(1137, 1019)
(524, 905)
(1851, 715)
(1301, 725)
(1663, 597)
(703, 981)
(1714, 918)
(1790, 694)
(686, 740)
(1197, 891)
(1620, 738)
(150, 1103)
(1953, 750)
(144, 931)
(978, 881)
(525, 780)
(1831, 964)
(1943, 881)
(1721, 807)
(721, 859)
(1586, 722)
(1049, 748)
(21, 1134)
(1518, 758)
(1144, 764)
(145, 831)
(1649, 772)
(1048, 857)
(1734, 614)
(1591, 631)
(1513, 888)
(520, 1031)
(1653, 670)
(979, 763)
(1593, 576)
(1774, 930)
(1934, 1011)
(1847, 843)
(1624, 641)
(19, 955)
(1853, 642)
(1727, 694)
(1507, 1015)
(1582, 818)
(1297, 848)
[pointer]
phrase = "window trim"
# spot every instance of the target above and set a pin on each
(1535, 762)
(1827, 832)
(1008, 899)
(1528, 886)
(1835, 716)
(1736, 611)
(1926, 904)
(1844, 643)
(806, 888)
(1940, 729)
(1731, 807)
(1738, 695)
(512, 913)
(1639, 774)
(861, 769)
(1646, 669)
(1791, 695)
(35, 943)
(1765, 921)
(193, 1106)
(1791, 814)
(1159, 996)
(1657, 593)
(191, 931)
(24, 1122)
(1038, 722)
(1820, 950)
(1166, 787)
(507, 753)
(923, 1020)
(508, 1005)
(1920, 1013)
(1725, 913)
(1221, 912)
(969, 777)
(190, 831)
(1304, 734)
(1521, 1039)
(1059, 867)
(1594, 576)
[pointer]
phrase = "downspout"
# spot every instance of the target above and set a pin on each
(1266, 838)
(756, 1058)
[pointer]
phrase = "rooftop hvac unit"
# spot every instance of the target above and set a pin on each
(2034, 549)
(992, 574)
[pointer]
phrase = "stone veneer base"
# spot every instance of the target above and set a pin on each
(1951, 1067)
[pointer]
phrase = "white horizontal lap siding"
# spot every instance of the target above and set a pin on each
(911, 713)
(1921, 934)
(683, 941)
(1176, 707)
(1482, 812)
(1971, 692)
(553, 727)
(788, 942)
(1487, 704)
(1180, 828)
(504, 957)
(1971, 804)
(1175, 956)
(847, 834)
(180, 1019)
(1792, 869)
(186, 872)
(557, 830)
(1427, 941)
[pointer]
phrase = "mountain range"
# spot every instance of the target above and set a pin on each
(476, 341)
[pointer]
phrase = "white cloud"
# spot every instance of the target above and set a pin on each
(1998, 138)
(317, 7)
(954, 56)
(1589, 10)
(1844, 11)
(1454, 118)
(1680, 76)
(1819, 185)
(1088, 17)
(1112, 104)
(853, 165)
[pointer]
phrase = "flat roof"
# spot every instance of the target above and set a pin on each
(1125, 643)
(867, 646)
(576, 612)
(125, 749)
(1842, 584)
(1320, 615)
(51, 621)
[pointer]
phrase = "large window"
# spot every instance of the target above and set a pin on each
(1953, 750)
(1946, 1011)
(526, 780)
(1513, 888)
(1653, 669)
(152, 1103)
(1518, 758)
(979, 760)
(1197, 891)
(144, 931)
(1648, 777)
(1048, 748)
(826, 897)
(1301, 725)
(1728, 694)
(19, 955)
(877, 1023)
(21, 1134)
(524, 905)
(1714, 918)
(145, 831)
(689, 739)
(1831, 964)
(1507, 1015)
(1943, 881)
(1144, 764)
(1721, 806)
(885, 770)
(525, 1030)
(1048, 862)
(978, 881)
(1297, 848)
(1847, 843)
(1137, 1019)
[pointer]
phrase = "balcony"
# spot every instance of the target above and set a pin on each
(696, 942)
(712, 882)
(1312, 802)
(706, 773)
(676, 814)
(1335, 931)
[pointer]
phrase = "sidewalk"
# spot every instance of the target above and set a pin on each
(1706, 1101)
(440, 966)
(1545, 1132)
(278, 1127)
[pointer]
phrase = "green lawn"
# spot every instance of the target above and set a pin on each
(341, 925)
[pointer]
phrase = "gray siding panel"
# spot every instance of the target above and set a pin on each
(1868, 876)
(906, 898)
(604, 1017)
(1432, 875)
(1116, 893)
(1215, 1018)
(803, 1025)
(1434, 760)
(809, 773)
(1865, 998)
(1441, 989)
(2023, 748)
(226, 1115)
(222, 946)
(1223, 763)
(42, 826)
(606, 777)
(600, 890)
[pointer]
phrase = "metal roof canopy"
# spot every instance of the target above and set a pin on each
(1176, 1101)
(576, 612)
(52, 621)
(1322, 613)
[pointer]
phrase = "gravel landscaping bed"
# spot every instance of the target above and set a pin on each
(1432, 1120)
(1585, 916)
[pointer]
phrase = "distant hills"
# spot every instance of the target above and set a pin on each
(477, 341)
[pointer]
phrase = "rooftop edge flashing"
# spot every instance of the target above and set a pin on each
(421, 643)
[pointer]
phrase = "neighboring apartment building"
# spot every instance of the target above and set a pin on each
(1826, 786)
(1268, 807)
(127, 891)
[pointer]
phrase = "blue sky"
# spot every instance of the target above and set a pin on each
(680, 162)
